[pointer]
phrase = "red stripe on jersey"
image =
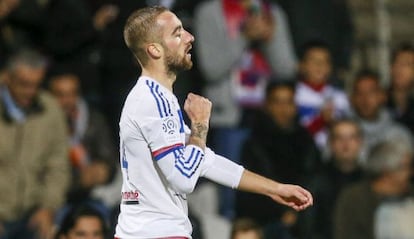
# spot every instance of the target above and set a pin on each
(164, 151)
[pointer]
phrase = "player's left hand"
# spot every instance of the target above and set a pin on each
(292, 196)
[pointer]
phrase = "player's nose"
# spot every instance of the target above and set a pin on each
(190, 37)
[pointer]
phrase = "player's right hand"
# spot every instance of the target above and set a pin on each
(198, 108)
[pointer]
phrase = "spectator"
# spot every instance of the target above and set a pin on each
(341, 170)
(33, 151)
(368, 101)
(327, 20)
(239, 45)
(401, 100)
(119, 70)
(318, 101)
(82, 222)
(245, 228)
(6, 8)
(272, 150)
(20, 26)
(379, 26)
(233, 25)
(92, 153)
(76, 40)
(382, 206)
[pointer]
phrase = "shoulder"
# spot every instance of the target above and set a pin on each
(277, 11)
(148, 100)
(396, 131)
(339, 93)
(49, 104)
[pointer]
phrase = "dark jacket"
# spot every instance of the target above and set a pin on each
(406, 118)
(285, 155)
(354, 212)
(100, 148)
(326, 187)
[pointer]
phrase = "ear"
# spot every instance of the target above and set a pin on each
(154, 50)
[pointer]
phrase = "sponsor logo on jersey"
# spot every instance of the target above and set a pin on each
(130, 197)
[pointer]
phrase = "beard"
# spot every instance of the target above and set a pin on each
(175, 63)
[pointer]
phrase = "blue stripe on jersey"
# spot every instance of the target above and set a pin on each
(187, 173)
(180, 114)
(124, 160)
(186, 168)
(195, 161)
(163, 98)
(163, 154)
(308, 110)
(189, 160)
(151, 86)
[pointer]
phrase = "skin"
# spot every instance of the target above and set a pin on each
(368, 98)
(402, 70)
(402, 73)
(345, 145)
(24, 82)
(251, 234)
(65, 88)
(395, 182)
(258, 26)
(7, 6)
(316, 65)
(170, 55)
(281, 106)
(87, 227)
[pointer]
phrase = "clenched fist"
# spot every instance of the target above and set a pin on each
(197, 108)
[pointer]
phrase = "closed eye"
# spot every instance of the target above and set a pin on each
(177, 30)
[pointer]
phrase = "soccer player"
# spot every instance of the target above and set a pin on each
(161, 158)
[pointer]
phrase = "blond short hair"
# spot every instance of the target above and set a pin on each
(141, 28)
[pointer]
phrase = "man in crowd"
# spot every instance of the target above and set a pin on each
(34, 168)
(383, 205)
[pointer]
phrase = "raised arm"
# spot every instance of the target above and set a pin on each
(198, 110)
(180, 163)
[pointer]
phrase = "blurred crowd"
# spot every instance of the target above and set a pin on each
(316, 93)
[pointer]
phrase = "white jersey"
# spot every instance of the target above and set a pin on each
(158, 168)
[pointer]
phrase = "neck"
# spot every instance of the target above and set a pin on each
(346, 166)
(383, 187)
(162, 76)
(315, 85)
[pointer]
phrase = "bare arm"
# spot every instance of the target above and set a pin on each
(290, 195)
(198, 110)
